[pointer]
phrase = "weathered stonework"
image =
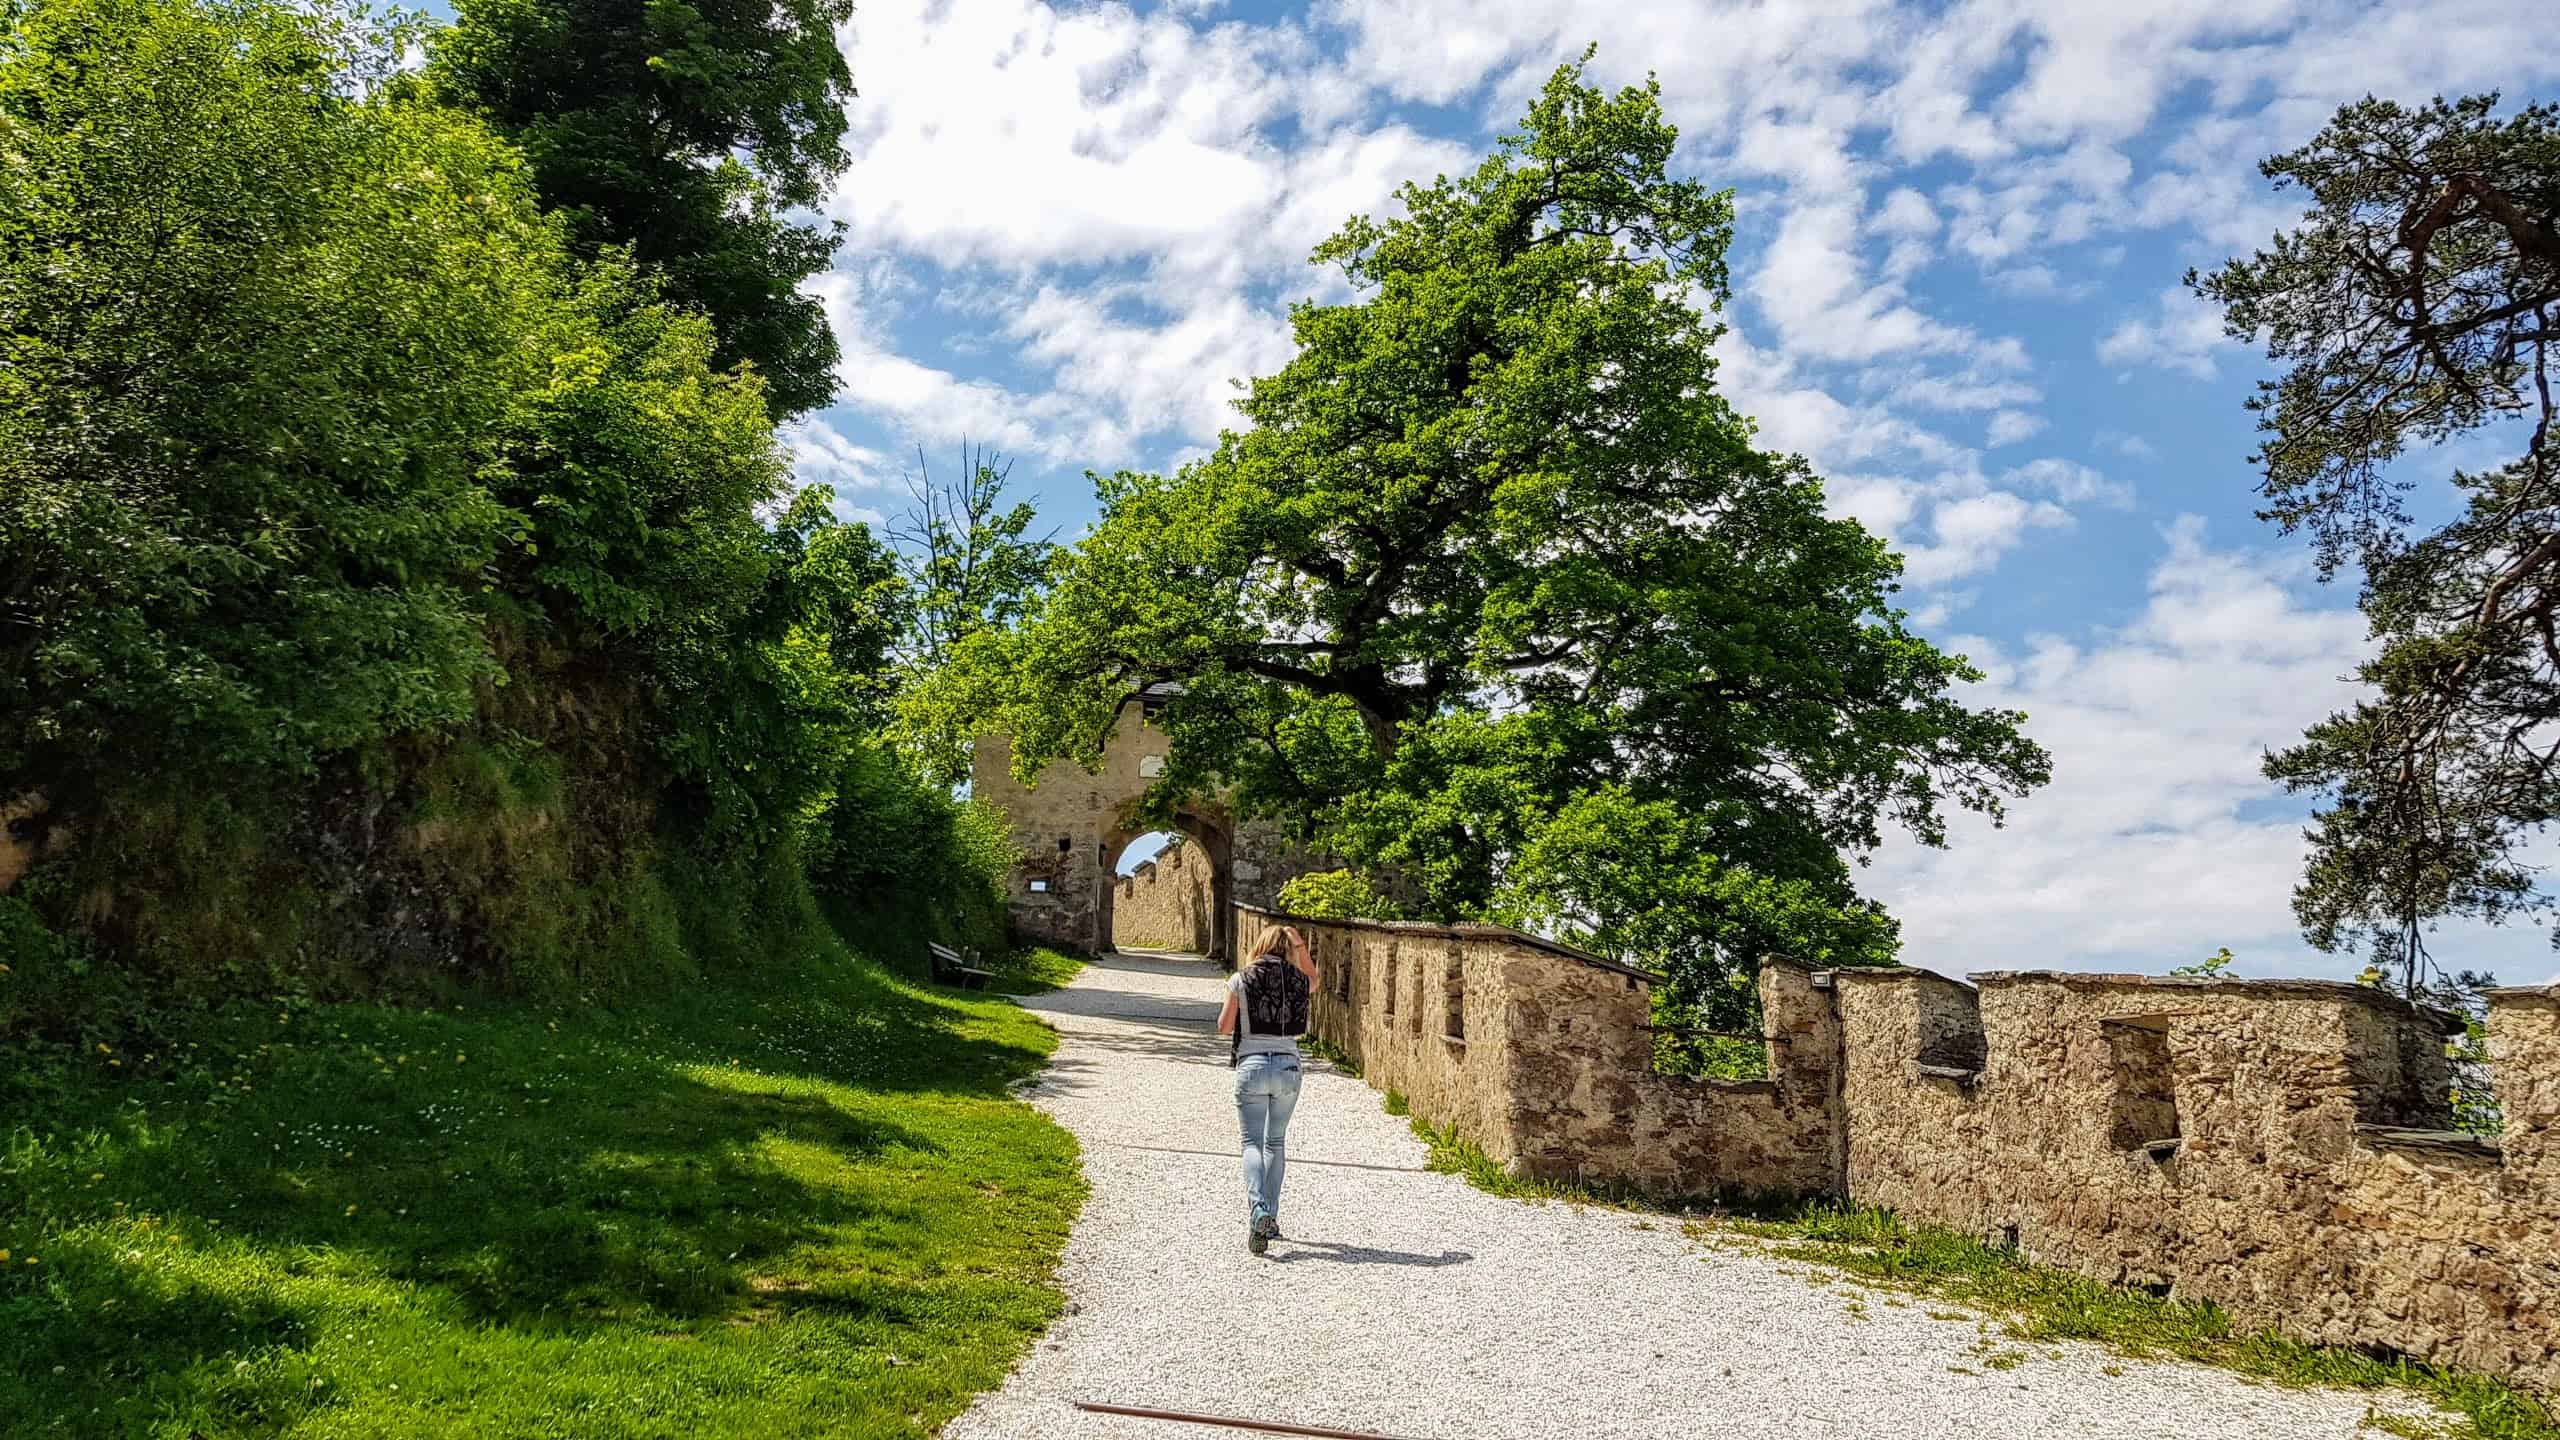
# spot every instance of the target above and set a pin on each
(1537, 1052)
(2278, 1148)
(1167, 903)
(1072, 825)
(2281, 1149)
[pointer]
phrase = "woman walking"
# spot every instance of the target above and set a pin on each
(1266, 1012)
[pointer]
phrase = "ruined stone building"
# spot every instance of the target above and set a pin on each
(1073, 825)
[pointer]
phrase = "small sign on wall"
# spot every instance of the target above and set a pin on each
(1150, 766)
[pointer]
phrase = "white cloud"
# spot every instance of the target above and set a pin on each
(2008, 427)
(1811, 283)
(1021, 147)
(2070, 480)
(1961, 392)
(1015, 132)
(1176, 375)
(1905, 212)
(821, 455)
(1970, 535)
(2182, 335)
(2038, 282)
(2141, 853)
(1921, 492)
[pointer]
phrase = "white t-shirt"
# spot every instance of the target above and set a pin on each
(1253, 1044)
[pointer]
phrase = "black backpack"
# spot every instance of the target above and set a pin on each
(1275, 1002)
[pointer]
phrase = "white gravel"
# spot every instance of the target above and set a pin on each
(1409, 1304)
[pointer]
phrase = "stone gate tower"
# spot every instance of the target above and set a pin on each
(1073, 825)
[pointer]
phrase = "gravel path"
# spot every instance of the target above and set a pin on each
(1408, 1303)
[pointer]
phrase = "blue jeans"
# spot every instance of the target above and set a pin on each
(1266, 1091)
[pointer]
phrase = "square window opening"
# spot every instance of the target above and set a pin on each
(2145, 1112)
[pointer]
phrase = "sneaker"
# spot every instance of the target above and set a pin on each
(1257, 1235)
(1271, 1228)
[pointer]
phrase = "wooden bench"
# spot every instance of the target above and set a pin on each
(950, 967)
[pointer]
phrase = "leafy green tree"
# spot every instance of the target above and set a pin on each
(684, 132)
(358, 542)
(255, 336)
(664, 552)
(1497, 574)
(2415, 304)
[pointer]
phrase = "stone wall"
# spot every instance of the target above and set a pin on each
(1073, 823)
(1166, 904)
(1264, 859)
(1538, 1054)
(2278, 1148)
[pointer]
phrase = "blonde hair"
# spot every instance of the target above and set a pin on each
(1270, 940)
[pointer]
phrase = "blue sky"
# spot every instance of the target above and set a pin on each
(1963, 228)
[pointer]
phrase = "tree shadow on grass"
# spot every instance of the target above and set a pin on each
(673, 1173)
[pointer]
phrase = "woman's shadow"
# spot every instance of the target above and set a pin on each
(1362, 1255)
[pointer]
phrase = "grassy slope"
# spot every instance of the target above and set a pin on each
(804, 1208)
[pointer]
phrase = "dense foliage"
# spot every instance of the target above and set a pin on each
(683, 133)
(397, 589)
(227, 541)
(2415, 304)
(1335, 895)
(1497, 595)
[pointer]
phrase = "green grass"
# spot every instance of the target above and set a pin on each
(1032, 970)
(1333, 1055)
(804, 1206)
(2038, 1303)
(1451, 1153)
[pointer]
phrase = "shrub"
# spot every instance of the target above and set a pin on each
(1335, 895)
(894, 847)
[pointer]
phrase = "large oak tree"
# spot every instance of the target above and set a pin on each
(1497, 596)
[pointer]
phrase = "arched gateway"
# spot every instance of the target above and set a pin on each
(1072, 826)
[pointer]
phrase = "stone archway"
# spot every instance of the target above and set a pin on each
(1072, 825)
(1210, 845)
